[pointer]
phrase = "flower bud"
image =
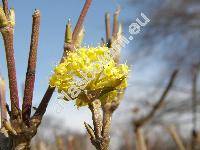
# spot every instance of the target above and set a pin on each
(68, 33)
(3, 19)
(12, 17)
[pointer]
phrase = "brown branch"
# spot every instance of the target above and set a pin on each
(90, 131)
(5, 8)
(140, 139)
(100, 136)
(176, 137)
(108, 110)
(30, 75)
(195, 73)
(49, 92)
(107, 22)
(159, 103)
(95, 107)
(116, 23)
(68, 47)
(80, 20)
(7, 34)
(8, 109)
(3, 101)
(43, 105)
(107, 116)
(194, 97)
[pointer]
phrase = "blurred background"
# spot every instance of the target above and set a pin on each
(171, 40)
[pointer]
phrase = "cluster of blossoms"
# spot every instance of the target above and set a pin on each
(90, 73)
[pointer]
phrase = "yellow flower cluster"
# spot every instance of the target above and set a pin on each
(89, 73)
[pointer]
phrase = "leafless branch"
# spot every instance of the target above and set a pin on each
(107, 22)
(8, 43)
(159, 103)
(90, 131)
(96, 117)
(3, 101)
(176, 137)
(43, 105)
(81, 19)
(116, 23)
(30, 75)
(49, 92)
(5, 7)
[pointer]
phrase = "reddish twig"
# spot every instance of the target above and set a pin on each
(81, 20)
(107, 22)
(43, 104)
(8, 43)
(49, 92)
(116, 23)
(5, 7)
(30, 75)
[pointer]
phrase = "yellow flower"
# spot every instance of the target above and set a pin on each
(90, 73)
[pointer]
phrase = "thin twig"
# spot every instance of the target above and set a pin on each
(3, 101)
(30, 75)
(107, 22)
(116, 23)
(49, 92)
(159, 103)
(176, 137)
(8, 109)
(43, 105)
(194, 97)
(8, 43)
(107, 114)
(5, 7)
(95, 107)
(140, 140)
(81, 18)
(90, 131)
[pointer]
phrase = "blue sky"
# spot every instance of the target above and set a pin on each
(53, 21)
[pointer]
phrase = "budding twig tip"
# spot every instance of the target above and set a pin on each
(36, 12)
(118, 9)
(69, 20)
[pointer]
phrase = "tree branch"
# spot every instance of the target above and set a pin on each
(194, 97)
(107, 116)
(95, 107)
(116, 23)
(68, 47)
(159, 103)
(81, 20)
(5, 8)
(176, 137)
(30, 75)
(107, 22)
(90, 131)
(43, 105)
(7, 34)
(49, 92)
(3, 101)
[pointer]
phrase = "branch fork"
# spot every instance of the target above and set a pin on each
(100, 135)
(22, 127)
